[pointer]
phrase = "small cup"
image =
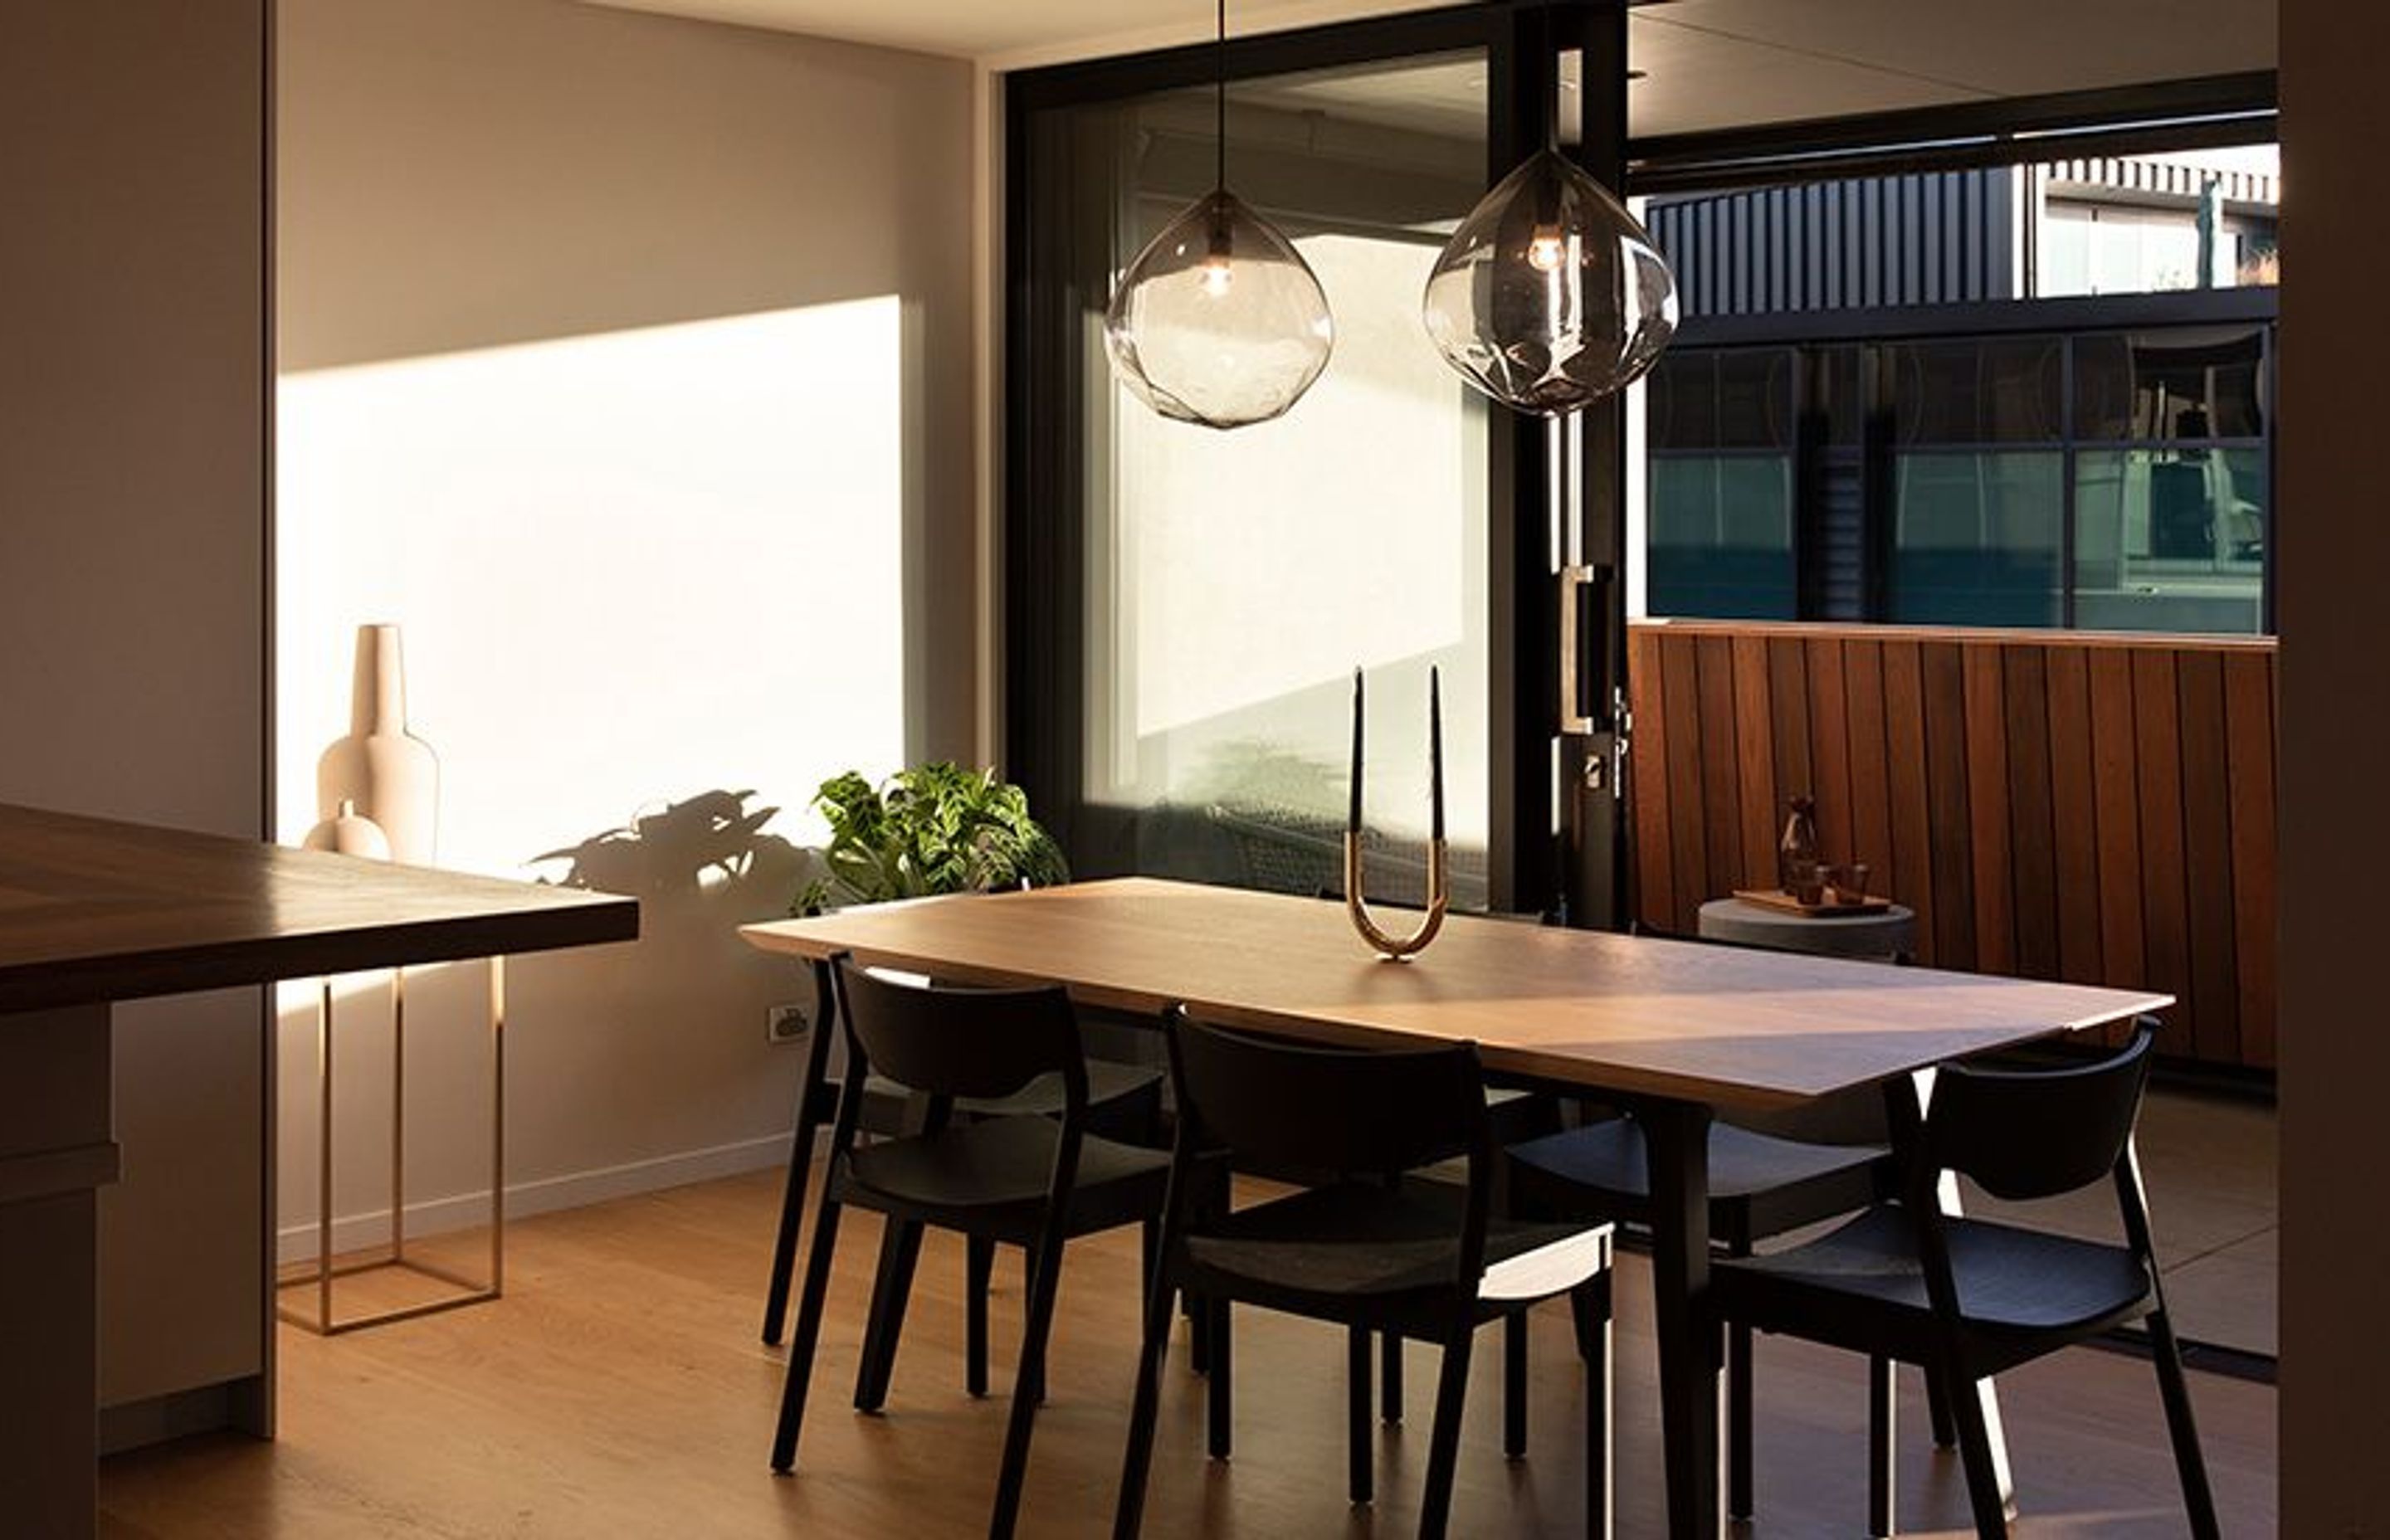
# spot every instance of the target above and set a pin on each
(1847, 884)
(1806, 882)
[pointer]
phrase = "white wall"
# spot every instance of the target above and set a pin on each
(626, 361)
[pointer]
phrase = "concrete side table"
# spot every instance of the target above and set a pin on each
(1890, 933)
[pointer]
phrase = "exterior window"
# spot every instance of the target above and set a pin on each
(1977, 531)
(1721, 485)
(1976, 538)
(2016, 395)
(2108, 481)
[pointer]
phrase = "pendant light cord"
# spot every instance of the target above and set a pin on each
(1220, 96)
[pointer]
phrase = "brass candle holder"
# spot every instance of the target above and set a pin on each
(1390, 947)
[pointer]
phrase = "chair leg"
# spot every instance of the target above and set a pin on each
(1984, 1485)
(1589, 1308)
(1515, 1384)
(1937, 1407)
(1883, 1416)
(1361, 1456)
(1591, 1332)
(808, 1337)
(1029, 1383)
(1128, 1516)
(793, 1192)
(1738, 1422)
(900, 1249)
(1218, 1390)
(784, 1247)
(1211, 1202)
(979, 1276)
(1443, 1446)
(1390, 1378)
(1032, 1370)
(2191, 1465)
(1149, 1256)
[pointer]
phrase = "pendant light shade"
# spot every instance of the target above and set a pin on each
(1219, 321)
(1551, 296)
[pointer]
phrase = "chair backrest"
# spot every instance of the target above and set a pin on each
(1342, 1111)
(2028, 1134)
(948, 1042)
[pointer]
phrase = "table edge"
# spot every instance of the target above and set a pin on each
(586, 921)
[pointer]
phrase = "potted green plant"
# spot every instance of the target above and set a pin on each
(935, 828)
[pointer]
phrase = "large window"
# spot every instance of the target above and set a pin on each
(2030, 394)
(2102, 479)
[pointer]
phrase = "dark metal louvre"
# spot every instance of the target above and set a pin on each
(1932, 238)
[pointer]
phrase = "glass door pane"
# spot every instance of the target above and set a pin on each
(1233, 580)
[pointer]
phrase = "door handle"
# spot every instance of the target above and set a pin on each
(1585, 634)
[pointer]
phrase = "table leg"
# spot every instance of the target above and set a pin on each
(55, 1152)
(1676, 1135)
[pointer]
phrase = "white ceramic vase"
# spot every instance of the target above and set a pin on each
(390, 776)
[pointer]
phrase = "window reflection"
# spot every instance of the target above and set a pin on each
(1719, 516)
(2114, 481)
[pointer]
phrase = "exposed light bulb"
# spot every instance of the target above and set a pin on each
(1545, 251)
(1218, 274)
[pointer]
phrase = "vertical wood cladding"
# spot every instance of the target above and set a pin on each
(2060, 805)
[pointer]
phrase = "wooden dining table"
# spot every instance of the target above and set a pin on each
(1676, 1031)
(93, 912)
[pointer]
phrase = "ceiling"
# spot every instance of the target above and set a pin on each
(1707, 63)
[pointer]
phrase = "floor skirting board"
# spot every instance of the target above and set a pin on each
(369, 1228)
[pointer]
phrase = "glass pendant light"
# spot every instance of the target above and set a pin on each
(1219, 321)
(1551, 295)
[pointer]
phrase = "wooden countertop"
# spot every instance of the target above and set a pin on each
(92, 909)
(1726, 1026)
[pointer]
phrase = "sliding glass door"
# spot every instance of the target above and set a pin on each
(1185, 608)
(1225, 585)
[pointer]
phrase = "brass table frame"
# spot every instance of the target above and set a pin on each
(321, 1320)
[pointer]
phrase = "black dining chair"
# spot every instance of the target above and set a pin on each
(1026, 1179)
(1124, 1103)
(1371, 1246)
(1780, 1173)
(1972, 1298)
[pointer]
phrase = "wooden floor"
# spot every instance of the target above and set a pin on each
(619, 1391)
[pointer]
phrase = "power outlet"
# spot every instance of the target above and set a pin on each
(787, 1023)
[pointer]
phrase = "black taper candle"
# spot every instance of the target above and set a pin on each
(1353, 819)
(1435, 752)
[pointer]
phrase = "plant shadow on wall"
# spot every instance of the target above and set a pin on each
(706, 857)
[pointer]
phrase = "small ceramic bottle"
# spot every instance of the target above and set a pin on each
(350, 832)
(1797, 870)
(391, 775)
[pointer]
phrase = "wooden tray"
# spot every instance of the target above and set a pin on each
(1785, 903)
